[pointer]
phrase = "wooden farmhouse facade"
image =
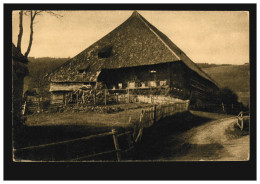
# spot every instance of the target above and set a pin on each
(134, 55)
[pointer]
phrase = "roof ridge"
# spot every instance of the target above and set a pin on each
(151, 27)
(144, 21)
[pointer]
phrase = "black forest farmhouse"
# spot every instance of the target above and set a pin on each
(133, 55)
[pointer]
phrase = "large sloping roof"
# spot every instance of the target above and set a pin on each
(133, 43)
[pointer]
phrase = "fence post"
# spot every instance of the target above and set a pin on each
(128, 94)
(77, 98)
(94, 97)
(223, 107)
(65, 100)
(116, 145)
(154, 111)
(38, 110)
(105, 97)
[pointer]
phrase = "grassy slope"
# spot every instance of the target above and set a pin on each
(236, 77)
(87, 119)
(40, 67)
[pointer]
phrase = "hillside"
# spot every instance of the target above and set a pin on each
(38, 68)
(235, 77)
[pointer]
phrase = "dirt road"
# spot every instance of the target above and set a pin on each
(195, 136)
(217, 140)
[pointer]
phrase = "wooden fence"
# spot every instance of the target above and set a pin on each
(243, 119)
(147, 118)
(115, 135)
(151, 115)
(108, 96)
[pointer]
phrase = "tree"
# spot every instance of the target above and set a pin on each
(32, 14)
(227, 96)
(228, 99)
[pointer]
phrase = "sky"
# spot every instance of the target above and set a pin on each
(220, 37)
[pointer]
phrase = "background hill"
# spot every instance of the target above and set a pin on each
(235, 77)
(38, 68)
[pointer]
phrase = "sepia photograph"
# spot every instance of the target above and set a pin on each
(110, 86)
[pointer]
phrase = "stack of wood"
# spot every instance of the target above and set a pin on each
(33, 107)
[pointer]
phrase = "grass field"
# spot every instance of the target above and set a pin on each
(118, 119)
(235, 77)
(45, 128)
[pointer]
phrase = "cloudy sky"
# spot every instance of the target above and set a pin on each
(213, 36)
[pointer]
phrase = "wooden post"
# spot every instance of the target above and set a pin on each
(77, 98)
(116, 145)
(65, 100)
(83, 97)
(105, 97)
(242, 120)
(242, 123)
(38, 105)
(154, 111)
(94, 97)
(128, 94)
(223, 107)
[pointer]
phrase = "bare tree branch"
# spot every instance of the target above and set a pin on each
(20, 35)
(33, 14)
(54, 14)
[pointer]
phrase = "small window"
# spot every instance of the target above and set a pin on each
(152, 83)
(143, 84)
(84, 70)
(81, 71)
(152, 71)
(163, 83)
(120, 85)
(105, 52)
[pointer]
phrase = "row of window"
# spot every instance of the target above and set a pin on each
(142, 84)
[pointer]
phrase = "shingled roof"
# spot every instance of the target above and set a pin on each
(133, 43)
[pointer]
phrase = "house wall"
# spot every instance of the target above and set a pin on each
(57, 97)
(179, 78)
(65, 86)
(139, 75)
(176, 76)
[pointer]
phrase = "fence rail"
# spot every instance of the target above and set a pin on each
(158, 112)
(148, 117)
(114, 133)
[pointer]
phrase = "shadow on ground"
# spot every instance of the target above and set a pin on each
(156, 144)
